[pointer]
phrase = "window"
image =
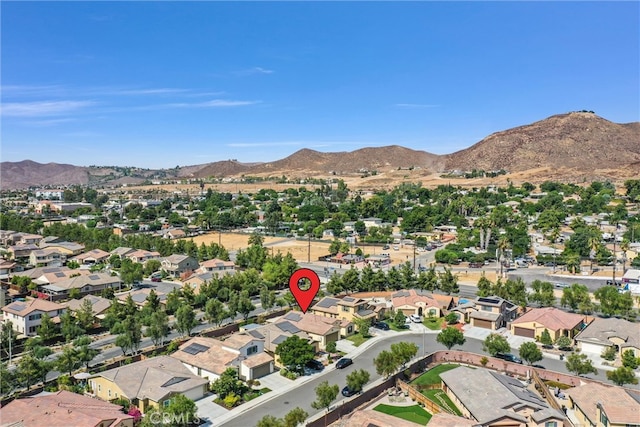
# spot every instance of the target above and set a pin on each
(252, 350)
(35, 316)
(551, 424)
(603, 419)
(166, 403)
(109, 392)
(99, 387)
(350, 329)
(345, 308)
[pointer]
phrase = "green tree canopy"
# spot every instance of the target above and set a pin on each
(450, 336)
(294, 353)
(496, 343)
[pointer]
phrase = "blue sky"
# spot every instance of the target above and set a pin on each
(160, 84)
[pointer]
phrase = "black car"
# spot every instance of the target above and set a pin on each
(343, 363)
(381, 325)
(385, 247)
(314, 364)
(347, 392)
(509, 357)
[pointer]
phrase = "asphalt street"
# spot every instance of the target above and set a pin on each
(304, 395)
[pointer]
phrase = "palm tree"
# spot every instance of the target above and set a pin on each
(553, 236)
(594, 245)
(573, 261)
(624, 247)
(503, 245)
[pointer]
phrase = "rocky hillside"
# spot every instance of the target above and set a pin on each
(580, 141)
(26, 173)
(369, 159)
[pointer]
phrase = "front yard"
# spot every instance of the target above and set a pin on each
(434, 323)
(413, 413)
(357, 339)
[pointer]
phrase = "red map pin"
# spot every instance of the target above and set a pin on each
(304, 297)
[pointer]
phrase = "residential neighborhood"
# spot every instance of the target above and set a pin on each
(173, 312)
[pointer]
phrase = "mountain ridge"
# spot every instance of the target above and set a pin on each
(573, 144)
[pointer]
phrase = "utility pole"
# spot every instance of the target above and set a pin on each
(309, 248)
(615, 258)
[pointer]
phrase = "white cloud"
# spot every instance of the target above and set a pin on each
(214, 103)
(42, 108)
(254, 70)
(49, 122)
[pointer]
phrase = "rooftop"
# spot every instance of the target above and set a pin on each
(552, 318)
(620, 407)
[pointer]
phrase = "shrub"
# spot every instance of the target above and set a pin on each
(231, 400)
(609, 353)
(484, 361)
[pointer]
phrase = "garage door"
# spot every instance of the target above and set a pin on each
(524, 332)
(482, 323)
(586, 347)
(261, 371)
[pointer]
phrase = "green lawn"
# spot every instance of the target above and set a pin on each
(432, 376)
(434, 324)
(357, 339)
(413, 413)
(440, 398)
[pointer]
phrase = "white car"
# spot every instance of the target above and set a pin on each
(415, 318)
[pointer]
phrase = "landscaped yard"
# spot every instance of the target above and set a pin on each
(441, 399)
(413, 413)
(435, 324)
(357, 339)
(432, 376)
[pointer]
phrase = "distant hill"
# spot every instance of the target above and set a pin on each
(579, 140)
(577, 144)
(26, 173)
(370, 159)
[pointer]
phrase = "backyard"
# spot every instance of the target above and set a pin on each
(441, 399)
(432, 376)
(410, 413)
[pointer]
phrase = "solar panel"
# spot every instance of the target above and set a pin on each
(94, 277)
(195, 348)
(288, 327)
(18, 307)
(59, 274)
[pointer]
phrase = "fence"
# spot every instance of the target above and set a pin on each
(415, 395)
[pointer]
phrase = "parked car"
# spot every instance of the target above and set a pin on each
(385, 247)
(381, 325)
(347, 392)
(509, 357)
(476, 264)
(560, 285)
(415, 318)
(156, 279)
(343, 363)
(315, 364)
(396, 248)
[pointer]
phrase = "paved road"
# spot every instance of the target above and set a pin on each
(303, 396)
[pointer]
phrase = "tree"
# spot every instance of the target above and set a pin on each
(485, 286)
(542, 293)
(331, 347)
(47, 329)
(609, 353)
(495, 343)
(7, 384)
(294, 353)
(158, 327)
(622, 375)
(386, 363)
(545, 338)
(84, 353)
(451, 318)
(530, 353)
(580, 364)
(295, 417)
(362, 325)
(68, 361)
(185, 319)
(404, 352)
(215, 312)
(629, 359)
(563, 342)
(267, 298)
(574, 296)
(399, 318)
(357, 379)
(270, 421)
(31, 369)
(228, 383)
(183, 408)
(130, 334)
(8, 337)
(325, 395)
(84, 315)
(245, 306)
(69, 326)
(450, 336)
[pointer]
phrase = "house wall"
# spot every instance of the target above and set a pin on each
(105, 389)
(538, 328)
(579, 414)
(28, 327)
(636, 350)
(203, 373)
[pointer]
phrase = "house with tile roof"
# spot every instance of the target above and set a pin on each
(558, 322)
(217, 265)
(320, 329)
(86, 283)
(416, 301)
(122, 251)
(148, 383)
(92, 257)
(7, 267)
(25, 316)
(99, 305)
(596, 404)
(63, 409)
(493, 399)
(492, 312)
(275, 333)
(67, 248)
(372, 418)
(141, 256)
(346, 308)
(139, 296)
(21, 252)
(603, 333)
(209, 357)
(50, 257)
(177, 264)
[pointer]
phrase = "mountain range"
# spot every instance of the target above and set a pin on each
(571, 146)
